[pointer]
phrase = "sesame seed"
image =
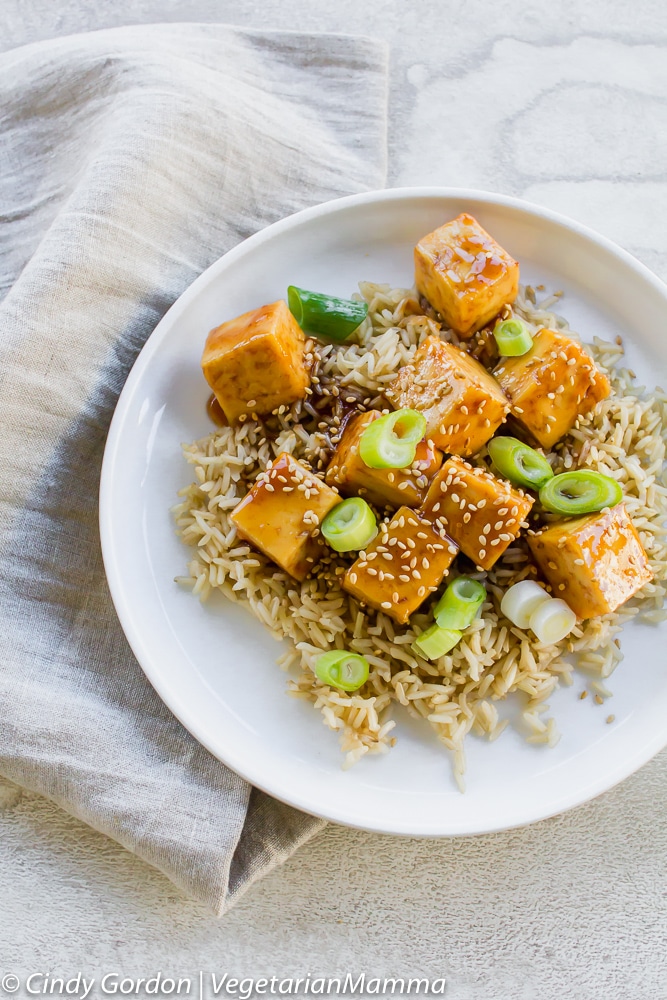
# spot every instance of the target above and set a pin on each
(481, 553)
(466, 518)
(599, 700)
(480, 504)
(584, 694)
(352, 577)
(386, 605)
(372, 571)
(610, 719)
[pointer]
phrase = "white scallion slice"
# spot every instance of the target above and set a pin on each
(521, 601)
(552, 620)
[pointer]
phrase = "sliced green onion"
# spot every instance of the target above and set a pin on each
(519, 463)
(436, 641)
(347, 671)
(390, 442)
(325, 315)
(552, 620)
(458, 606)
(521, 600)
(350, 525)
(512, 337)
(581, 491)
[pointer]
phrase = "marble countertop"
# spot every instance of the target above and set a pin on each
(566, 105)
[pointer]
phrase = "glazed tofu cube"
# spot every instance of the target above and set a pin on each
(407, 561)
(282, 513)
(551, 385)
(393, 487)
(465, 275)
(483, 514)
(463, 404)
(595, 563)
(255, 362)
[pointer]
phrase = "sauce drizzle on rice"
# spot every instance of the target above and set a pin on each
(625, 436)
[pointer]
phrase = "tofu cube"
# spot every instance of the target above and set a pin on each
(551, 385)
(255, 362)
(463, 404)
(405, 563)
(393, 487)
(465, 275)
(594, 563)
(283, 511)
(483, 514)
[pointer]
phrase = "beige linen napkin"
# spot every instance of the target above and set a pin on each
(131, 159)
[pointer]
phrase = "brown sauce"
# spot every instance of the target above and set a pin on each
(214, 411)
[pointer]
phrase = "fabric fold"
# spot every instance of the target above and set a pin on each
(130, 160)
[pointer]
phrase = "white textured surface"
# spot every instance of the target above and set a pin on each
(563, 104)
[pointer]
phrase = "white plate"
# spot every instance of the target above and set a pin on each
(214, 665)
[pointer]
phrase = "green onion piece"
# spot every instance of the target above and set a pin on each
(520, 464)
(347, 671)
(390, 442)
(581, 491)
(324, 315)
(458, 606)
(435, 642)
(350, 525)
(512, 337)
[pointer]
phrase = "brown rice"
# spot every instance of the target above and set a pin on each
(624, 437)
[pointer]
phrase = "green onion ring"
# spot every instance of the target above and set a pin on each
(458, 606)
(390, 442)
(582, 491)
(338, 668)
(349, 526)
(435, 642)
(512, 337)
(324, 315)
(519, 463)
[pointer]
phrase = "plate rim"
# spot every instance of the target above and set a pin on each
(401, 827)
